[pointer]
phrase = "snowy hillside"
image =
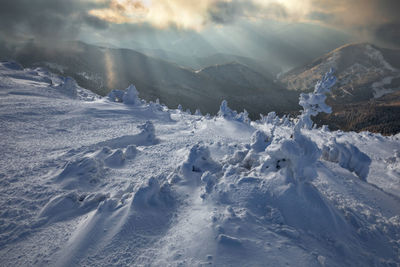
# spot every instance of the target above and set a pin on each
(116, 181)
(363, 71)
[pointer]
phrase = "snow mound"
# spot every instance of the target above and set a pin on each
(81, 173)
(197, 162)
(347, 156)
(70, 205)
(116, 159)
(131, 152)
(297, 156)
(146, 137)
(153, 195)
(259, 141)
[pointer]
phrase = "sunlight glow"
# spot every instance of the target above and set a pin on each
(110, 73)
(191, 14)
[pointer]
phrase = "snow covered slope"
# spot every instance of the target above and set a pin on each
(363, 70)
(105, 183)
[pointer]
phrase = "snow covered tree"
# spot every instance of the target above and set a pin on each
(314, 103)
(131, 96)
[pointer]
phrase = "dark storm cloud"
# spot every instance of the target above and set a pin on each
(45, 19)
(389, 33)
(377, 20)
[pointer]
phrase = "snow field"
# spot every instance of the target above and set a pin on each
(121, 182)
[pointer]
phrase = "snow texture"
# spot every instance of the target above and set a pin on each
(105, 183)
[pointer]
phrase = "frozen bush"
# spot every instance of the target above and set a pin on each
(197, 162)
(229, 114)
(259, 141)
(130, 96)
(116, 95)
(347, 156)
(314, 103)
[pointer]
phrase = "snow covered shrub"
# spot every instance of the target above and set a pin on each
(130, 96)
(259, 141)
(229, 114)
(115, 95)
(147, 134)
(225, 111)
(198, 113)
(272, 118)
(69, 87)
(197, 162)
(250, 158)
(243, 117)
(314, 103)
(156, 106)
(347, 156)
(298, 155)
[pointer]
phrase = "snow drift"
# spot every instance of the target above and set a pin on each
(106, 183)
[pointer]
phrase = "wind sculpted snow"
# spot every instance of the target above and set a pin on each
(121, 182)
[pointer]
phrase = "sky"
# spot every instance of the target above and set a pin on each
(122, 22)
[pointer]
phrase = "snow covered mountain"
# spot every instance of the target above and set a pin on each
(96, 182)
(103, 69)
(365, 73)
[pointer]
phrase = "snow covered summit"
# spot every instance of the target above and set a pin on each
(105, 183)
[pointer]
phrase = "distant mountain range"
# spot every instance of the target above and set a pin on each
(268, 69)
(366, 96)
(102, 69)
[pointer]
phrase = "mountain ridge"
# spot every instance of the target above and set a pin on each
(103, 69)
(368, 80)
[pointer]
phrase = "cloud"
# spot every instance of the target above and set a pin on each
(95, 22)
(46, 19)
(389, 33)
(376, 20)
(189, 14)
(321, 16)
